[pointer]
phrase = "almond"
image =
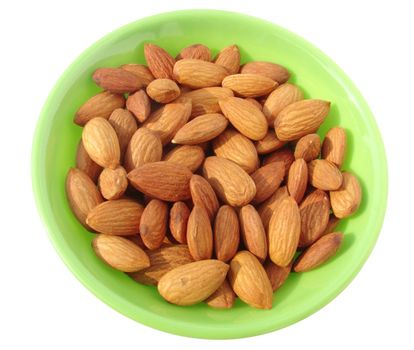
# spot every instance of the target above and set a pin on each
(284, 155)
(199, 234)
(145, 147)
(179, 214)
(203, 195)
(101, 142)
(153, 224)
(163, 90)
(333, 146)
(267, 179)
(283, 96)
(308, 147)
(324, 175)
(245, 117)
(159, 61)
(113, 182)
(82, 194)
(249, 281)
(141, 71)
(226, 233)
(124, 125)
(191, 283)
(346, 200)
(297, 179)
(253, 232)
(162, 180)
(99, 106)
(238, 148)
(86, 164)
(139, 105)
(300, 118)
(271, 70)
(120, 253)
(186, 155)
(319, 252)
(332, 224)
(229, 58)
(119, 217)
(201, 129)
(269, 143)
(277, 274)
(249, 85)
(163, 260)
(269, 206)
(232, 184)
(222, 298)
(196, 51)
(198, 73)
(116, 80)
(314, 213)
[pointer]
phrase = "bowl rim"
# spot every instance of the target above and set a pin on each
(109, 297)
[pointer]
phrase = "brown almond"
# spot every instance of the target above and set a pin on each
(86, 164)
(159, 61)
(163, 90)
(297, 179)
(346, 200)
(249, 85)
(113, 182)
(141, 71)
(267, 180)
(203, 195)
(179, 214)
(269, 143)
(271, 70)
(269, 206)
(196, 51)
(199, 234)
(222, 298)
(284, 155)
(116, 80)
(308, 147)
(229, 58)
(139, 105)
(124, 125)
(277, 274)
(226, 233)
(334, 145)
(189, 156)
(324, 175)
(153, 224)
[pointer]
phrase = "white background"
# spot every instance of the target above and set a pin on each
(42, 305)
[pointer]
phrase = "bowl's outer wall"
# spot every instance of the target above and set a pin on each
(57, 137)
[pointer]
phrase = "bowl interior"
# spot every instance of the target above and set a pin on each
(57, 137)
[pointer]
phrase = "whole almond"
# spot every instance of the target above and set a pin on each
(86, 164)
(253, 232)
(283, 96)
(101, 142)
(249, 281)
(238, 148)
(269, 206)
(153, 224)
(203, 195)
(120, 253)
(196, 51)
(179, 214)
(82, 194)
(163, 260)
(249, 85)
(116, 80)
(141, 71)
(271, 70)
(269, 143)
(198, 73)
(201, 129)
(124, 125)
(162, 180)
(319, 252)
(314, 214)
(297, 179)
(194, 282)
(324, 175)
(199, 234)
(332, 224)
(144, 147)
(226, 233)
(300, 118)
(277, 274)
(119, 217)
(163, 90)
(245, 117)
(346, 200)
(267, 180)
(229, 58)
(99, 106)
(139, 105)
(113, 182)
(186, 155)
(284, 155)
(232, 184)
(159, 61)
(333, 146)
(308, 147)
(222, 298)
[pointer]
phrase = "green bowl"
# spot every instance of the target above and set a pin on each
(56, 139)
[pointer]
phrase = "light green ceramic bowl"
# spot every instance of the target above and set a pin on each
(56, 139)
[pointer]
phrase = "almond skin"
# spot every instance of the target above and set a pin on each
(201, 129)
(229, 58)
(284, 155)
(297, 179)
(99, 106)
(249, 281)
(319, 252)
(86, 164)
(254, 102)
(332, 224)
(82, 194)
(163, 260)
(346, 200)
(198, 73)
(222, 298)
(113, 183)
(139, 105)
(199, 234)
(236, 147)
(271, 70)
(153, 224)
(120, 253)
(163, 90)
(324, 175)
(179, 214)
(267, 180)
(186, 155)
(116, 80)
(245, 117)
(191, 283)
(119, 217)
(269, 206)
(196, 51)
(232, 184)
(226, 233)
(334, 145)
(249, 85)
(269, 143)
(253, 232)
(308, 147)
(203, 195)
(277, 274)
(141, 71)
(101, 142)
(162, 180)
(124, 125)
(159, 61)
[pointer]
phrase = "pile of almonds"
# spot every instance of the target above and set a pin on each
(207, 178)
